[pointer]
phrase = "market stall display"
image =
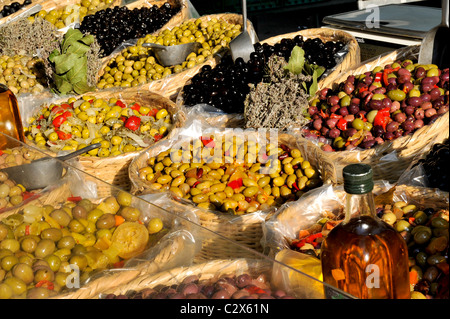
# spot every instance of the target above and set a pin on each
(124, 121)
(227, 85)
(394, 141)
(214, 33)
(189, 195)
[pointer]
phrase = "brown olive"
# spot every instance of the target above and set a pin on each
(44, 248)
(79, 212)
(106, 221)
(54, 234)
(61, 217)
(66, 242)
(23, 272)
(79, 249)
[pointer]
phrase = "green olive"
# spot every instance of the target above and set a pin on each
(8, 262)
(439, 222)
(421, 237)
(54, 234)
(66, 242)
(358, 124)
(421, 259)
(61, 217)
(130, 213)
(402, 225)
(44, 248)
(24, 272)
(396, 95)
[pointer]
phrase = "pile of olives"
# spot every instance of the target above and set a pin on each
(15, 6)
(426, 233)
(227, 85)
(22, 74)
(435, 165)
(120, 127)
(113, 26)
(377, 106)
(18, 156)
(63, 16)
(40, 246)
(243, 286)
(137, 65)
(11, 193)
(239, 181)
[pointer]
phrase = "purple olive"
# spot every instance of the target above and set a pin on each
(335, 108)
(333, 100)
(343, 111)
(353, 108)
(409, 110)
(392, 126)
(376, 104)
(313, 110)
(420, 72)
(414, 101)
(442, 110)
(349, 87)
(334, 133)
(400, 117)
(317, 124)
(418, 123)
(430, 112)
(221, 294)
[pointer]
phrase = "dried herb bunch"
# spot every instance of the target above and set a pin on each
(280, 100)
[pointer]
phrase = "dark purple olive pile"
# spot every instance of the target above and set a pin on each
(378, 106)
(227, 85)
(113, 26)
(228, 287)
(9, 9)
(436, 166)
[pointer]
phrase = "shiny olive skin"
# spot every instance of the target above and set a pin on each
(106, 221)
(44, 248)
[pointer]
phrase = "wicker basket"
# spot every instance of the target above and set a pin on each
(170, 86)
(245, 230)
(328, 201)
(390, 159)
(350, 60)
(114, 169)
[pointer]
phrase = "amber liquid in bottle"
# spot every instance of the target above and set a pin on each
(10, 121)
(364, 256)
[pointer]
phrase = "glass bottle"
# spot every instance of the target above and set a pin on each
(363, 255)
(10, 121)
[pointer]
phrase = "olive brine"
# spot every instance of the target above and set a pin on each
(227, 85)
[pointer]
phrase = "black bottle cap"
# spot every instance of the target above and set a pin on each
(358, 178)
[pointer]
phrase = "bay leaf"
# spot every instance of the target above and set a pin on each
(62, 85)
(71, 36)
(79, 71)
(296, 60)
(64, 62)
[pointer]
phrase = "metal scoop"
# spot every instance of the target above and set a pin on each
(242, 45)
(172, 54)
(44, 171)
(435, 47)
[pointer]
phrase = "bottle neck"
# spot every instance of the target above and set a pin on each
(358, 205)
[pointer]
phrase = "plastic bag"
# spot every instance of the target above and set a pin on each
(305, 281)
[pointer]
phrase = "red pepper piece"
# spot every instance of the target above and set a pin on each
(195, 184)
(120, 103)
(255, 290)
(378, 77)
(133, 122)
(57, 121)
(342, 124)
(208, 142)
(295, 186)
(74, 198)
(382, 118)
(45, 284)
(63, 135)
(157, 137)
(385, 74)
(27, 195)
(236, 183)
(135, 107)
(27, 230)
(199, 173)
(119, 264)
